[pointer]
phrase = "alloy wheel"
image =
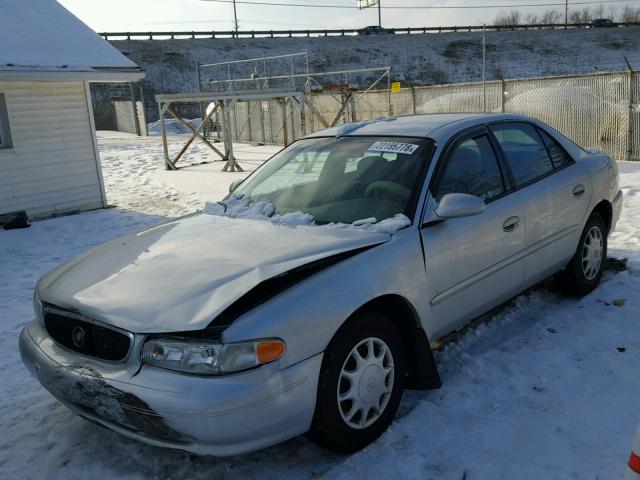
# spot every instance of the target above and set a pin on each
(592, 252)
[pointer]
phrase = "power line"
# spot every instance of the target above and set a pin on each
(421, 7)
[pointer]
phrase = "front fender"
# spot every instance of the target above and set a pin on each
(307, 315)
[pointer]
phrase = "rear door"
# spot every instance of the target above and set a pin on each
(555, 192)
(472, 263)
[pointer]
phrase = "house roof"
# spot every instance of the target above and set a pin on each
(41, 40)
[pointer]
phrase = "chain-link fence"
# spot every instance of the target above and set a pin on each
(599, 111)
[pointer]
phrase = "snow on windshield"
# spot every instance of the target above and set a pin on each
(237, 206)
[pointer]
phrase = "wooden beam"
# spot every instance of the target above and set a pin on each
(231, 165)
(345, 104)
(165, 147)
(315, 111)
(196, 133)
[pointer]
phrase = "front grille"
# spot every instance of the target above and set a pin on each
(85, 337)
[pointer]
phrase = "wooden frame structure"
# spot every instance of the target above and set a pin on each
(223, 103)
(300, 98)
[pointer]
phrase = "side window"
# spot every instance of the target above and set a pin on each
(471, 168)
(525, 152)
(559, 157)
(5, 132)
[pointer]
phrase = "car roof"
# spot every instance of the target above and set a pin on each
(435, 126)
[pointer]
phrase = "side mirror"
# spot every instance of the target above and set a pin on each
(235, 184)
(455, 205)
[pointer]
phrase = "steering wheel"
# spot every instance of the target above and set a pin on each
(391, 191)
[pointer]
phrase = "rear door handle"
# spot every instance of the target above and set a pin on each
(511, 224)
(579, 190)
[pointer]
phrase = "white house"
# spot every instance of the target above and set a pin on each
(49, 160)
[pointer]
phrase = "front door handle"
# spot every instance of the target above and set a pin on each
(511, 224)
(579, 190)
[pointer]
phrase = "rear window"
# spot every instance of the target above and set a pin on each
(525, 151)
(559, 157)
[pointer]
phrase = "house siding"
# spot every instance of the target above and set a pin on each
(52, 167)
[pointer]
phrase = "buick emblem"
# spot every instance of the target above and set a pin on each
(77, 336)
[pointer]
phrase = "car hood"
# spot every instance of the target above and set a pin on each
(180, 275)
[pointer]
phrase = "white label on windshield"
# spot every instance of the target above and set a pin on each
(393, 147)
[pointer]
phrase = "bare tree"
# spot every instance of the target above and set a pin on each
(630, 14)
(514, 17)
(580, 16)
(551, 16)
(584, 15)
(597, 12)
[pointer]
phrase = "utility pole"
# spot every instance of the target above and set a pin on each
(484, 57)
(379, 14)
(235, 18)
(566, 13)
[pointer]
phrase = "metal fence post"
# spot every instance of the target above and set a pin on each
(630, 112)
(262, 130)
(390, 108)
(413, 99)
(285, 133)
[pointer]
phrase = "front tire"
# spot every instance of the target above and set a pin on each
(584, 271)
(360, 385)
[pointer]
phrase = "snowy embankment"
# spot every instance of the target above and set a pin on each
(547, 388)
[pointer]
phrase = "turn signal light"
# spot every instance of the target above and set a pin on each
(269, 350)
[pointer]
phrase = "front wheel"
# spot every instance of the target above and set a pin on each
(584, 271)
(360, 384)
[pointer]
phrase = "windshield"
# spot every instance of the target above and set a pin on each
(343, 179)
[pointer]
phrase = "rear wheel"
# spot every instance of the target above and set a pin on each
(584, 271)
(360, 384)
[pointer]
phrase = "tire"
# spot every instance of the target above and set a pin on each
(335, 425)
(582, 274)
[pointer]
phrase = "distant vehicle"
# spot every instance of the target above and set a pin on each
(220, 335)
(602, 23)
(374, 30)
(633, 466)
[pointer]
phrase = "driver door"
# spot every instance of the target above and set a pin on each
(472, 263)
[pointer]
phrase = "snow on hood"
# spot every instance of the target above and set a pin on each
(180, 275)
(237, 206)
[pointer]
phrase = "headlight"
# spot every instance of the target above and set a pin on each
(209, 358)
(37, 307)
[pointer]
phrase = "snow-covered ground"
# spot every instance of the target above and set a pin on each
(547, 388)
(136, 179)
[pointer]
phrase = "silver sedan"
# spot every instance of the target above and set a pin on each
(308, 299)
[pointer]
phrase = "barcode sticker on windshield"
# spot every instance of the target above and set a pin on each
(393, 147)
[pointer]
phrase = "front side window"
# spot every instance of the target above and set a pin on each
(343, 179)
(5, 132)
(525, 152)
(471, 168)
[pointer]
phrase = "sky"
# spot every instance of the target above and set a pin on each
(187, 15)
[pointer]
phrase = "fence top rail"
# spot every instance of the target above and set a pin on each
(349, 31)
(506, 81)
(272, 57)
(304, 75)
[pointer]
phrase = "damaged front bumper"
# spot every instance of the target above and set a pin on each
(219, 416)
